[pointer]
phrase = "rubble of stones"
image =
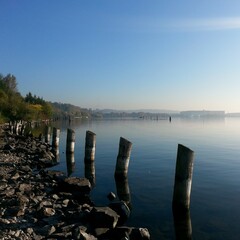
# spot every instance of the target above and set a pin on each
(39, 203)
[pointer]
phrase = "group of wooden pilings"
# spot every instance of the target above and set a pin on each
(183, 172)
(17, 127)
(182, 183)
(123, 156)
(90, 144)
(22, 127)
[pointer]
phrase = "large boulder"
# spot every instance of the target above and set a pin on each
(122, 209)
(76, 185)
(103, 217)
(130, 233)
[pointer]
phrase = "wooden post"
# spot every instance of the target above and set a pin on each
(17, 127)
(183, 177)
(70, 141)
(23, 127)
(55, 138)
(90, 147)
(123, 157)
(47, 134)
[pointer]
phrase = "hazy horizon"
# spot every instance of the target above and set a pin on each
(174, 55)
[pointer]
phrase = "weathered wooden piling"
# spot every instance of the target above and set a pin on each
(70, 141)
(183, 177)
(18, 127)
(90, 147)
(55, 138)
(15, 126)
(47, 134)
(23, 127)
(123, 157)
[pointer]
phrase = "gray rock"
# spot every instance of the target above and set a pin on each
(111, 196)
(100, 231)
(85, 236)
(48, 205)
(46, 211)
(76, 186)
(3, 185)
(104, 217)
(122, 209)
(30, 231)
(130, 233)
(23, 187)
(47, 230)
(140, 233)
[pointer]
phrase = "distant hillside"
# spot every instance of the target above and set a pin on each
(202, 113)
(137, 111)
(233, 114)
(111, 113)
(66, 110)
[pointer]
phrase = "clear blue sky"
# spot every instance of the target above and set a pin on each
(125, 54)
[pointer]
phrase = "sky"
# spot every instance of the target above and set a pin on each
(124, 54)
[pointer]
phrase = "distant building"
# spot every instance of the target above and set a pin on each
(203, 113)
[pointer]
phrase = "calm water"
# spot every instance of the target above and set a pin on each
(215, 198)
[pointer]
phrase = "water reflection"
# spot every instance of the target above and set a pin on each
(56, 155)
(182, 225)
(90, 173)
(70, 163)
(122, 207)
(123, 190)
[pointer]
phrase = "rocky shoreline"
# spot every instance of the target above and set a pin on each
(38, 203)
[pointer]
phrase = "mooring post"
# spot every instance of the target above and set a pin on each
(183, 177)
(55, 138)
(23, 127)
(70, 141)
(17, 127)
(90, 147)
(47, 134)
(123, 157)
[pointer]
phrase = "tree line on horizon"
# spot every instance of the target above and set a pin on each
(14, 107)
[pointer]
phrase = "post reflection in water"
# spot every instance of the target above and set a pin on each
(90, 173)
(123, 190)
(56, 155)
(122, 207)
(182, 224)
(70, 163)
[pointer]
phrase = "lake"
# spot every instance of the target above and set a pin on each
(215, 197)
